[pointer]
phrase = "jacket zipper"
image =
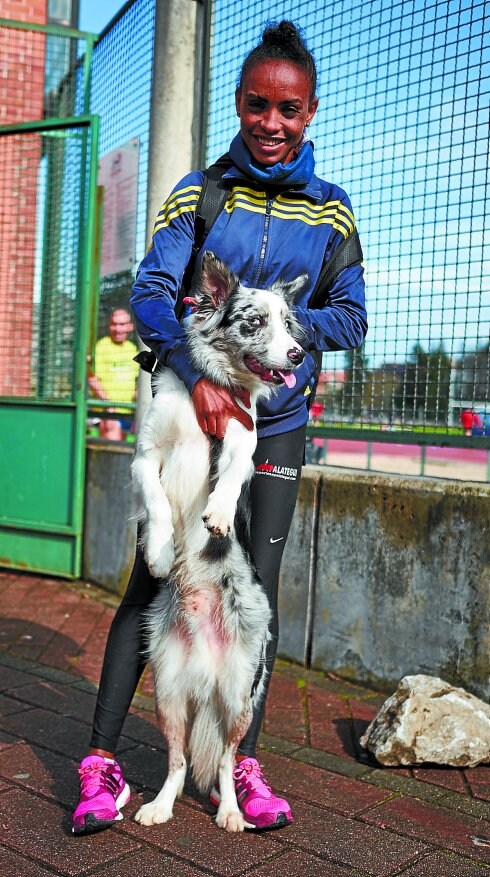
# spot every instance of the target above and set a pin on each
(265, 236)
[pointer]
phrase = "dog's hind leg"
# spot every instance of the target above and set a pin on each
(172, 726)
(229, 816)
(158, 544)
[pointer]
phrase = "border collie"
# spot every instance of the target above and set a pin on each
(208, 625)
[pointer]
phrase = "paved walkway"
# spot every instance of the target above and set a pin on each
(351, 817)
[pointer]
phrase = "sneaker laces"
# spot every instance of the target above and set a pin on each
(251, 775)
(95, 778)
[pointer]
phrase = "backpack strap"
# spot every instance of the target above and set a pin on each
(210, 204)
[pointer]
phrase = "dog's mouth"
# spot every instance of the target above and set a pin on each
(270, 376)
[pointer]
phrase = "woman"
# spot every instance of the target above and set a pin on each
(279, 221)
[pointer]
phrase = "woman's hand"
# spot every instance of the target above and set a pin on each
(215, 406)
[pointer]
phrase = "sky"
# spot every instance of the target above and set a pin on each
(95, 14)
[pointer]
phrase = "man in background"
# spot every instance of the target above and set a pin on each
(115, 373)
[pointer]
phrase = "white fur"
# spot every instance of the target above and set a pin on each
(208, 626)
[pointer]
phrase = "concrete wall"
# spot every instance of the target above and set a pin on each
(402, 579)
(109, 541)
(382, 575)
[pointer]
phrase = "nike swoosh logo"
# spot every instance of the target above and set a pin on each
(279, 539)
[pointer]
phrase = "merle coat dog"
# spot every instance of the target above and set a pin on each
(208, 625)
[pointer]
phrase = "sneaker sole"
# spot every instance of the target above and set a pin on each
(282, 821)
(91, 822)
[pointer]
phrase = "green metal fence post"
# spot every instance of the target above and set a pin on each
(88, 280)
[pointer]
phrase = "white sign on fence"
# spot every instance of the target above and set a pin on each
(118, 174)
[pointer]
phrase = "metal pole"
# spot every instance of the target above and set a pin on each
(172, 112)
(201, 83)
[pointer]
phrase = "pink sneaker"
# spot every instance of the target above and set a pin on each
(255, 798)
(103, 791)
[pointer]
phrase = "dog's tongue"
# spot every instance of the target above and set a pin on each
(288, 378)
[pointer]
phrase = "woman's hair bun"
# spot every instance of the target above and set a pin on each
(281, 41)
(281, 34)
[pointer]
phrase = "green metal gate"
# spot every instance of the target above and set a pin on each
(48, 235)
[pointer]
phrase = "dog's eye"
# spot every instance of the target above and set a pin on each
(256, 321)
(288, 323)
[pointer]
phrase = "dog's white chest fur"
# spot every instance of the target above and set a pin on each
(171, 474)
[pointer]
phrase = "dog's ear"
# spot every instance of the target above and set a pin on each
(217, 282)
(289, 291)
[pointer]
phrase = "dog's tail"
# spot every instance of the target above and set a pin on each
(206, 744)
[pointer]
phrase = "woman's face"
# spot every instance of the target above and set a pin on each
(274, 106)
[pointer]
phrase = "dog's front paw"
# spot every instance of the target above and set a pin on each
(231, 820)
(153, 814)
(159, 557)
(219, 524)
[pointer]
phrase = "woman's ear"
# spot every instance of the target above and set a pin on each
(238, 95)
(312, 108)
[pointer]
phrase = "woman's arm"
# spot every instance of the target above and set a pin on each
(159, 277)
(341, 324)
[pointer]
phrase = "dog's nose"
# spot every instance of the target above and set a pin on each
(296, 355)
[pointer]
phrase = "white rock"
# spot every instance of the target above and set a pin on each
(429, 720)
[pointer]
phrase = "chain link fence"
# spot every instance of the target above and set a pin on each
(57, 73)
(402, 125)
(404, 89)
(121, 95)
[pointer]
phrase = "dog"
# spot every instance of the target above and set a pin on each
(208, 625)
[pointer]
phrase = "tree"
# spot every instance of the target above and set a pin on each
(473, 376)
(427, 385)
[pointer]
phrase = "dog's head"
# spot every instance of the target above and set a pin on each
(244, 336)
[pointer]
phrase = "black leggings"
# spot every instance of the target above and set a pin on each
(278, 461)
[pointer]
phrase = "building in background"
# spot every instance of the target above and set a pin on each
(33, 65)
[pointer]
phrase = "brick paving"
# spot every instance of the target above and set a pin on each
(351, 816)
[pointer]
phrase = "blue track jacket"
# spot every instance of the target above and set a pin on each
(263, 237)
